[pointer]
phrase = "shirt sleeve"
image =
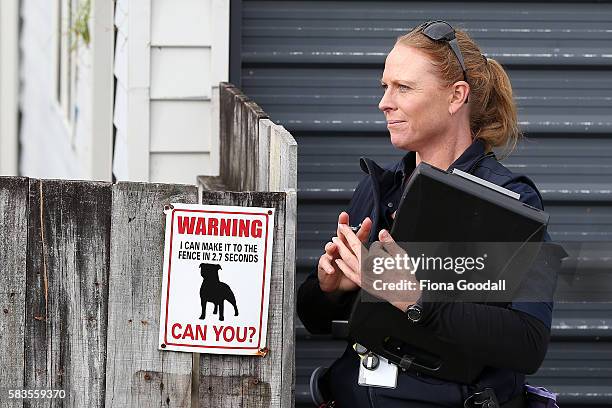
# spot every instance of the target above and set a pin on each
(515, 335)
(499, 336)
(541, 280)
(315, 308)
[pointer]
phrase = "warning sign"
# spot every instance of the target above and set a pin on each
(216, 279)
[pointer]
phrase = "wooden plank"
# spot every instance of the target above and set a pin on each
(239, 139)
(238, 381)
(254, 114)
(263, 161)
(287, 392)
(283, 160)
(66, 290)
(210, 183)
(226, 112)
(13, 243)
(138, 374)
(215, 132)
(288, 156)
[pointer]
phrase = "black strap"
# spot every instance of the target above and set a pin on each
(486, 398)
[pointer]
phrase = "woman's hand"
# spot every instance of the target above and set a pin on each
(330, 276)
(351, 249)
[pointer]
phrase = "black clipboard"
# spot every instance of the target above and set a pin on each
(437, 206)
(441, 206)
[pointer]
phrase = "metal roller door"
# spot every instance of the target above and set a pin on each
(314, 67)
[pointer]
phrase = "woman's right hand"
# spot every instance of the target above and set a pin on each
(331, 278)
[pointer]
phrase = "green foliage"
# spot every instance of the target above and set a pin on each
(80, 28)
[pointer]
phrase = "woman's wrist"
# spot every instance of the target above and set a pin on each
(403, 306)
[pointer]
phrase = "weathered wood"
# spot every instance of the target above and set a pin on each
(283, 160)
(66, 290)
(211, 183)
(264, 155)
(138, 374)
(90, 245)
(13, 244)
(239, 134)
(257, 159)
(288, 308)
(238, 381)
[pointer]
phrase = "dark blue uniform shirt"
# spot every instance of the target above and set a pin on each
(516, 341)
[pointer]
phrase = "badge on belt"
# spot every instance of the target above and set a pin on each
(375, 370)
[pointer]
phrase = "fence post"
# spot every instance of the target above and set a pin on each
(66, 290)
(138, 374)
(283, 160)
(13, 244)
(239, 144)
(257, 157)
(253, 381)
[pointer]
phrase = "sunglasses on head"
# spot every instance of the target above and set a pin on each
(442, 31)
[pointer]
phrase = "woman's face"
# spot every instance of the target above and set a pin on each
(415, 103)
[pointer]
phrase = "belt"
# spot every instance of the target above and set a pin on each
(516, 402)
(487, 399)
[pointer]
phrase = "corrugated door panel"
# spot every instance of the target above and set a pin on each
(314, 67)
(329, 98)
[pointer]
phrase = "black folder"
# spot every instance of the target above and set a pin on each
(438, 206)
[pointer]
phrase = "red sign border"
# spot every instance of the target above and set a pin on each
(263, 284)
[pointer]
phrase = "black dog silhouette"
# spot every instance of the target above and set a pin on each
(215, 291)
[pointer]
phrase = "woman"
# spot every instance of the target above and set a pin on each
(447, 105)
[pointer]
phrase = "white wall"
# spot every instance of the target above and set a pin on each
(46, 138)
(167, 68)
(52, 145)
(9, 86)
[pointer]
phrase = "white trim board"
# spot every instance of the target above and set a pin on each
(102, 91)
(9, 86)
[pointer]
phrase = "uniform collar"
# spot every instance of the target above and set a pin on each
(464, 162)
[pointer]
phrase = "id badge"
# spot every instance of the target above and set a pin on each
(385, 375)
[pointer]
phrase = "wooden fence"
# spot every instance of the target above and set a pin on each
(262, 157)
(256, 154)
(81, 284)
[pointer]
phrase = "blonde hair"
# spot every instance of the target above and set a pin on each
(493, 113)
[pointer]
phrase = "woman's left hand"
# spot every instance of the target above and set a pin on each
(351, 251)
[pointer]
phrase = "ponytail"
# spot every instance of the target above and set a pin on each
(497, 122)
(493, 113)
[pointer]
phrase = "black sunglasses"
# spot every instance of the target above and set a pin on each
(442, 31)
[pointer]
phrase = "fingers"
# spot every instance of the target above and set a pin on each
(384, 236)
(347, 254)
(389, 243)
(364, 231)
(343, 218)
(331, 249)
(353, 242)
(376, 250)
(349, 272)
(325, 263)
